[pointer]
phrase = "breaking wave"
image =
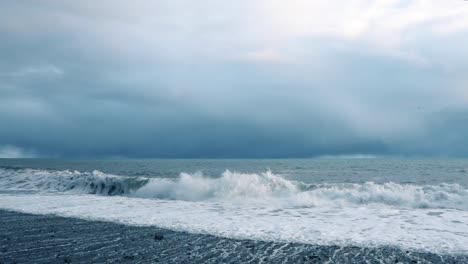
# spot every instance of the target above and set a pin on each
(233, 186)
(95, 182)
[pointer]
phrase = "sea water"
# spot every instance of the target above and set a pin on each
(419, 205)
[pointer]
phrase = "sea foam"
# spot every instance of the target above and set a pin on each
(233, 186)
(260, 206)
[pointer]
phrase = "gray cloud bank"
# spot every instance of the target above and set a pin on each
(175, 79)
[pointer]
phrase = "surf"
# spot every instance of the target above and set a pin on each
(238, 187)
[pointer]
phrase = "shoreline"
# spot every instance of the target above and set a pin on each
(27, 238)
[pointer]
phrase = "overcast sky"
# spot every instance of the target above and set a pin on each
(247, 78)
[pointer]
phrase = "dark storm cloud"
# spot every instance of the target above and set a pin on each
(164, 79)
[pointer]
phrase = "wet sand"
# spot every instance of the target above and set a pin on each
(26, 238)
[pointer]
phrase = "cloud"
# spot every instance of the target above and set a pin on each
(13, 152)
(238, 79)
(266, 56)
(382, 22)
(42, 71)
(182, 29)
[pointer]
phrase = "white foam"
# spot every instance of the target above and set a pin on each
(254, 206)
(232, 186)
(441, 230)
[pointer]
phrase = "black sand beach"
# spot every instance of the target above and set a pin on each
(26, 238)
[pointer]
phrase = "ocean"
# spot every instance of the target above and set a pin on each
(408, 205)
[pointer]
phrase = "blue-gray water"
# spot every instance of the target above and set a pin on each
(424, 171)
(416, 205)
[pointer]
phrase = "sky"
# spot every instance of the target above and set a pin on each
(233, 79)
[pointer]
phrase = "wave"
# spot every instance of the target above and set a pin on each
(95, 182)
(393, 194)
(239, 187)
(230, 186)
